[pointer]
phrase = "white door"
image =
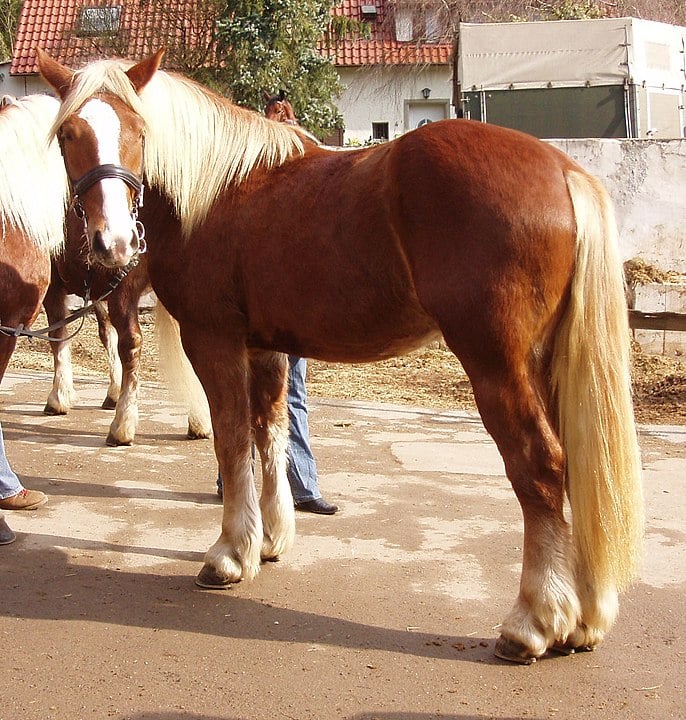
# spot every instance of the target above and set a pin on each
(421, 113)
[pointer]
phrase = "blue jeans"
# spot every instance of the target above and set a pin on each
(9, 482)
(302, 468)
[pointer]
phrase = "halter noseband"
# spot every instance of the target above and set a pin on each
(117, 172)
(85, 182)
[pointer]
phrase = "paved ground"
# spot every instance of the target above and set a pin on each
(388, 610)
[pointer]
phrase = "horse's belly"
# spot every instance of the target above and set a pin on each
(337, 335)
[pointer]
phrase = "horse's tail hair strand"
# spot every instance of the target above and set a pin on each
(178, 372)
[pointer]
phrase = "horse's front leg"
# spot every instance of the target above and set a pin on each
(62, 395)
(222, 367)
(270, 427)
(123, 311)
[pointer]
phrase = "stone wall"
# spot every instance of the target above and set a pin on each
(647, 181)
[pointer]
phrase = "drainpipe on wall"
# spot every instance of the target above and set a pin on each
(628, 111)
(458, 102)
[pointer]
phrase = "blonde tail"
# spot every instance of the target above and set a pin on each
(179, 374)
(591, 375)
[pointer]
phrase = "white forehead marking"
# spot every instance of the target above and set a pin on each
(106, 127)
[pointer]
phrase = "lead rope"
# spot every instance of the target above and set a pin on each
(44, 333)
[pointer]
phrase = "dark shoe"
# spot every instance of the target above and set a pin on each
(318, 506)
(6, 534)
(24, 500)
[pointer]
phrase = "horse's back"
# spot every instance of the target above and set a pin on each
(456, 215)
(483, 176)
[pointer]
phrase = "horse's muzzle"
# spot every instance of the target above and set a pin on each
(115, 251)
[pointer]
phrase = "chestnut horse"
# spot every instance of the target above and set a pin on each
(33, 197)
(261, 241)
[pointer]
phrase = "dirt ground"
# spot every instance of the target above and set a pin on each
(388, 610)
(430, 378)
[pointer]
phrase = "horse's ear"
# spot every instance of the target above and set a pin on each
(141, 74)
(282, 95)
(267, 97)
(58, 76)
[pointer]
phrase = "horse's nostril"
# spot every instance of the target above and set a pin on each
(98, 243)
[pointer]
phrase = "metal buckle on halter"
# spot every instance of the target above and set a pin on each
(137, 224)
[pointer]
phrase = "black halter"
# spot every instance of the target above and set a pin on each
(102, 172)
(85, 182)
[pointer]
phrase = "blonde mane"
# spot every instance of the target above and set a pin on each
(197, 143)
(33, 183)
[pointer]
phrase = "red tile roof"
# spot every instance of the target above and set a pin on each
(381, 48)
(146, 25)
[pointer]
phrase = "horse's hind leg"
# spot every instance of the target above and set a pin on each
(109, 339)
(270, 427)
(62, 394)
(547, 608)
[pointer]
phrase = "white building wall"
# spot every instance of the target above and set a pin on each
(385, 94)
(20, 85)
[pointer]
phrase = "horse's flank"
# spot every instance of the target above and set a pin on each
(33, 181)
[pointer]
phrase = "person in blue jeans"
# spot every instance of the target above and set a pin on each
(13, 496)
(302, 467)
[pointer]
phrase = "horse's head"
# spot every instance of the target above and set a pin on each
(279, 108)
(102, 141)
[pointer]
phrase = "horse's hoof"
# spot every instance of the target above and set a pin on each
(109, 404)
(513, 652)
(567, 649)
(196, 434)
(211, 580)
(50, 410)
(113, 442)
